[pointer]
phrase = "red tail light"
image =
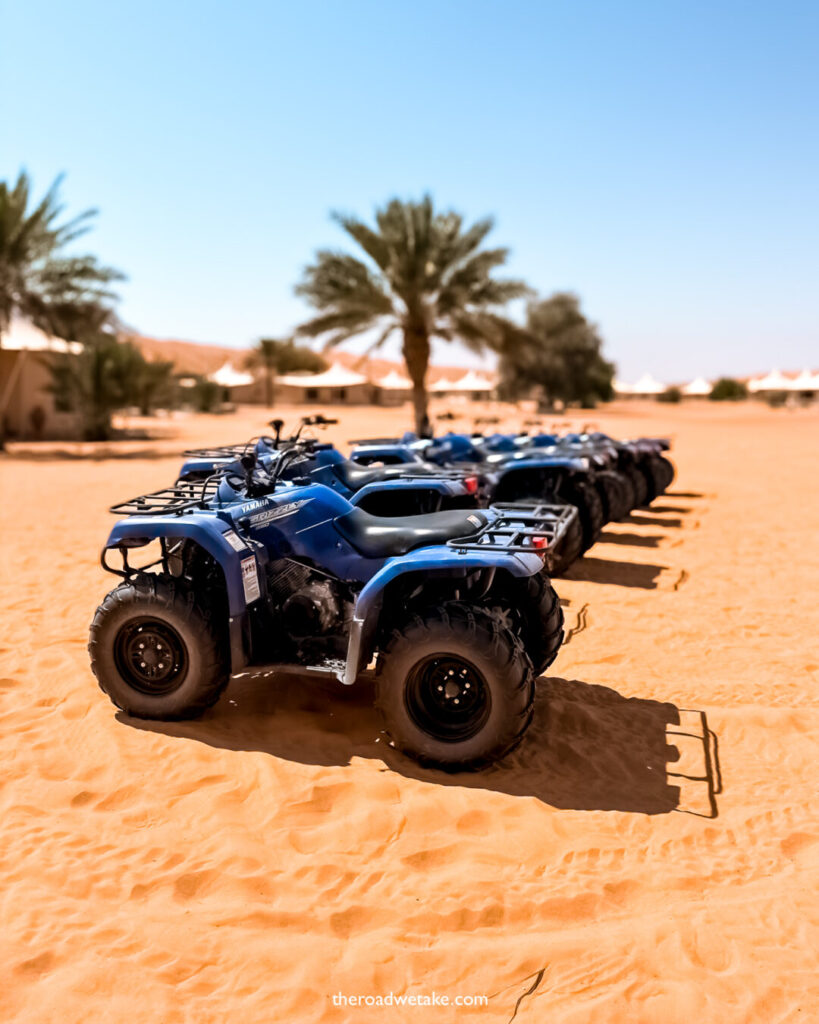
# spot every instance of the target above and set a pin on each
(540, 543)
(471, 484)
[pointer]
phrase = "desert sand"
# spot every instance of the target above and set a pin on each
(649, 854)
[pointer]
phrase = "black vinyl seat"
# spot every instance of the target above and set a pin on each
(355, 477)
(380, 537)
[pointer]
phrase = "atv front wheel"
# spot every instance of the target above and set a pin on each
(155, 651)
(639, 485)
(612, 494)
(584, 496)
(454, 687)
(570, 550)
(666, 470)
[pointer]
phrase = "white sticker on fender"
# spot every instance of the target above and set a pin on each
(250, 579)
(234, 540)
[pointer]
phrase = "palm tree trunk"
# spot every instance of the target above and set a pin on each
(416, 351)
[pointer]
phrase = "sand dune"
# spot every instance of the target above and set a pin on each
(649, 854)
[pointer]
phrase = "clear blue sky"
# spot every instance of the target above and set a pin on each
(659, 158)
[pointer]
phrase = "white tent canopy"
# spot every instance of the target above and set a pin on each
(395, 381)
(805, 381)
(472, 381)
(227, 376)
(621, 388)
(646, 385)
(697, 388)
(441, 386)
(773, 381)
(25, 337)
(337, 376)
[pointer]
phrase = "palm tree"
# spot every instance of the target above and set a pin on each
(426, 277)
(282, 357)
(96, 382)
(62, 294)
(264, 355)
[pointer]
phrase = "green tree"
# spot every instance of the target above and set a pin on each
(425, 276)
(673, 395)
(726, 389)
(153, 386)
(64, 295)
(101, 379)
(558, 351)
(275, 357)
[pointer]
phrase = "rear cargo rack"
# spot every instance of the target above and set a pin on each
(185, 496)
(520, 528)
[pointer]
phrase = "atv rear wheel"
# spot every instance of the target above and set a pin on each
(155, 651)
(454, 687)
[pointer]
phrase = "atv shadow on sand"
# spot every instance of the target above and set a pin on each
(632, 540)
(589, 748)
(621, 574)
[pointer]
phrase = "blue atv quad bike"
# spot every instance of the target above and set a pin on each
(414, 487)
(507, 475)
(639, 462)
(453, 609)
(613, 487)
(393, 491)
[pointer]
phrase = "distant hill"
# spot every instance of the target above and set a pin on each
(194, 358)
(190, 356)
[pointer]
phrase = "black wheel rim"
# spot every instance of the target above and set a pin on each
(150, 656)
(448, 698)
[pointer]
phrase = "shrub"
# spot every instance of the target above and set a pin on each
(727, 389)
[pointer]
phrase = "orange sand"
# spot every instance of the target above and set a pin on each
(248, 866)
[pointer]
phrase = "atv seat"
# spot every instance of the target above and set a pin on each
(380, 537)
(355, 477)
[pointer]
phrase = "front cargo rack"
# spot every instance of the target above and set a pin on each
(518, 527)
(222, 451)
(184, 496)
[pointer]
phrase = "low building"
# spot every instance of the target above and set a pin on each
(336, 385)
(394, 388)
(27, 406)
(238, 385)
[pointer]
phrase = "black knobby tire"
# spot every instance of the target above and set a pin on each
(158, 615)
(448, 647)
(666, 471)
(653, 477)
(570, 549)
(611, 493)
(639, 484)
(629, 498)
(543, 622)
(584, 496)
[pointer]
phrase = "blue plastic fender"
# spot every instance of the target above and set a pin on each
(396, 453)
(443, 559)
(448, 488)
(234, 555)
(532, 459)
(195, 467)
